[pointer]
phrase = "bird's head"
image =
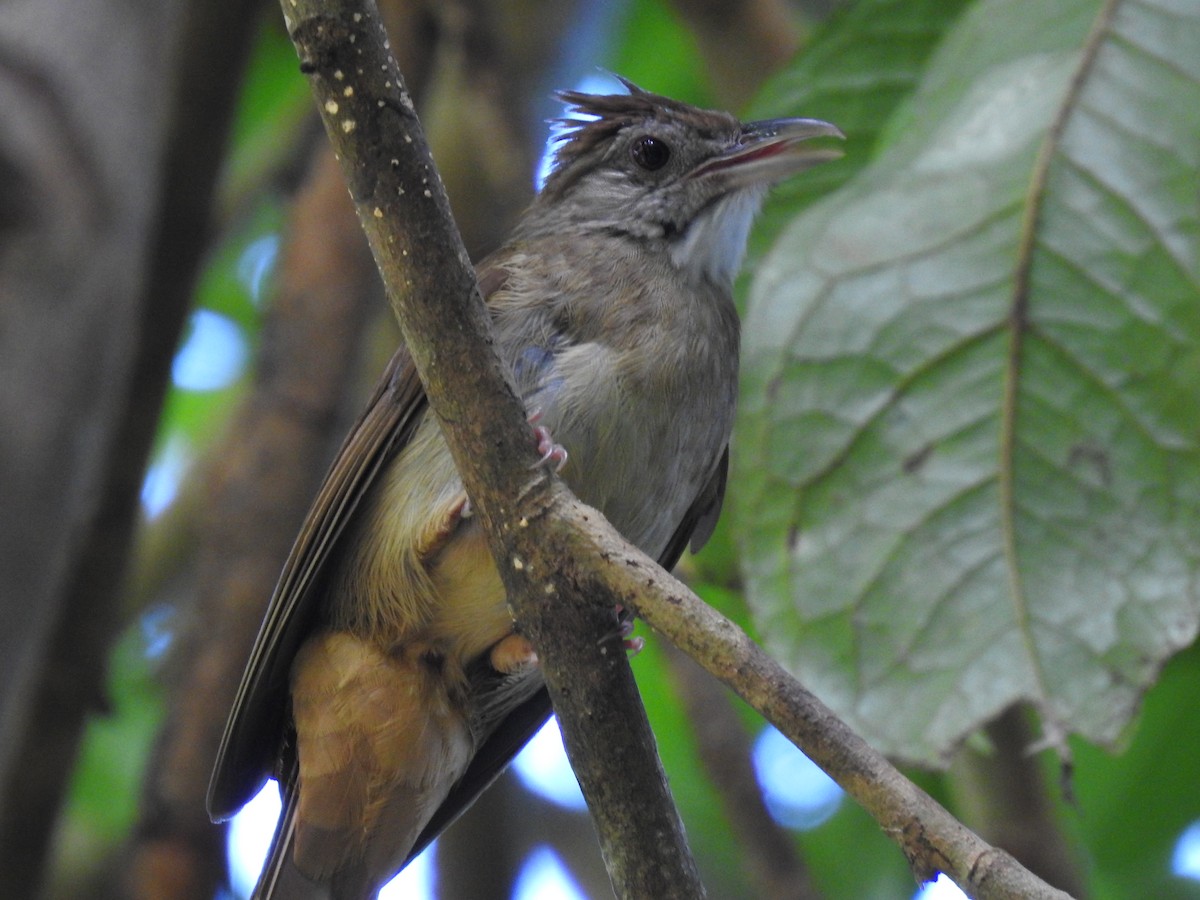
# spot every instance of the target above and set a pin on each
(687, 179)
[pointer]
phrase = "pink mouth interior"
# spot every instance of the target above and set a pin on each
(759, 151)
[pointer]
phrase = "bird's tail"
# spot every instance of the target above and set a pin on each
(280, 879)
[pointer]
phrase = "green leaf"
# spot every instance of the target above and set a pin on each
(969, 454)
(1130, 811)
(274, 106)
(653, 50)
(856, 70)
(103, 795)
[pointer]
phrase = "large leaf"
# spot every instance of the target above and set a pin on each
(858, 67)
(968, 464)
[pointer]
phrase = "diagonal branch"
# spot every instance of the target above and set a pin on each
(403, 208)
(562, 563)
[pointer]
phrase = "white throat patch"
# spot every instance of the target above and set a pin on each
(714, 245)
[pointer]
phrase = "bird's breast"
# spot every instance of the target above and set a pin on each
(644, 423)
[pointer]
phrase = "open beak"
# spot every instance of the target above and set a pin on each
(770, 151)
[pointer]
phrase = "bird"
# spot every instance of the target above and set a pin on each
(388, 684)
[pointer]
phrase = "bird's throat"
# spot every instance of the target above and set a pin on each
(711, 248)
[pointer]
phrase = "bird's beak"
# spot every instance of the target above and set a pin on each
(771, 150)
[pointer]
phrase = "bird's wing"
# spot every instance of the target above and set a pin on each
(701, 519)
(523, 722)
(250, 745)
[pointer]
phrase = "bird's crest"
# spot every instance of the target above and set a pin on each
(594, 119)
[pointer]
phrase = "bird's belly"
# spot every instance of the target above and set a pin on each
(423, 573)
(419, 572)
(645, 476)
(472, 614)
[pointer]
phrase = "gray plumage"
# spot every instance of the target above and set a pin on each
(612, 307)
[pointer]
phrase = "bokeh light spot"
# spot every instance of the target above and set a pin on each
(544, 877)
(797, 792)
(214, 354)
(543, 768)
(941, 888)
(1185, 861)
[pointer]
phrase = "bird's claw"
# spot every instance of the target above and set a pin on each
(633, 646)
(553, 453)
(512, 655)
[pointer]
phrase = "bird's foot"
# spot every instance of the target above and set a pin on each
(512, 655)
(552, 453)
(633, 645)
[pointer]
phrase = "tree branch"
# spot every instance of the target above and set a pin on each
(106, 177)
(402, 205)
(932, 840)
(1003, 792)
(562, 563)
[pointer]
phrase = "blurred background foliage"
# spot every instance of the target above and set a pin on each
(1122, 815)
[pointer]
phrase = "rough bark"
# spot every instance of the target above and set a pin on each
(402, 205)
(106, 179)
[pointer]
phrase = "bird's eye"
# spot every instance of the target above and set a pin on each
(650, 153)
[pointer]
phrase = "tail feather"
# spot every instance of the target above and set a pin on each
(280, 879)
